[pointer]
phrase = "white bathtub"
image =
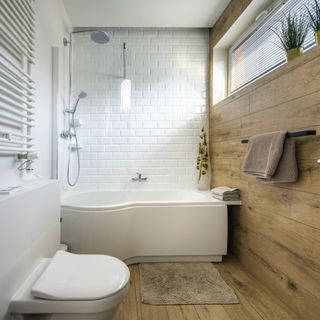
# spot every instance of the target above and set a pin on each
(145, 225)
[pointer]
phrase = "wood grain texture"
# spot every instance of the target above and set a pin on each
(256, 302)
(276, 232)
(227, 19)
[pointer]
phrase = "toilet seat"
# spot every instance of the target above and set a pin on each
(23, 302)
(81, 277)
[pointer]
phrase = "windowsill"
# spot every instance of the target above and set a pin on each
(287, 67)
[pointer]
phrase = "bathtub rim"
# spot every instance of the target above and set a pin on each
(207, 200)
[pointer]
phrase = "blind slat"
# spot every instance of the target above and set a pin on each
(259, 52)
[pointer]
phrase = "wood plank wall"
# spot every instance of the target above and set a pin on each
(276, 232)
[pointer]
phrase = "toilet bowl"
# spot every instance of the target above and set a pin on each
(71, 286)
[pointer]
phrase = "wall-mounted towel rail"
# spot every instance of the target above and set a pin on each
(293, 134)
(16, 112)
(9, 12)
(16, 97)
(6, 75)
(18, 91)
(16, 120)
(10, 144)
(13, 23)
(17, 27)
(21, 135)
(8, 134)
(12, 103)
(17, 68)
(16, 45)
(16, 142)
(9, 150)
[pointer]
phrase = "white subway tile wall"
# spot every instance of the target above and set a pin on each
(159, 135)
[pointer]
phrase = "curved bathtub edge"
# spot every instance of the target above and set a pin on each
(205, 199)
(127, 205)
(155, 259)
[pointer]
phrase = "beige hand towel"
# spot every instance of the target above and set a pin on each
(225, 193)
(230, 197)
(223, 190)
(287, 170)
(263, 154)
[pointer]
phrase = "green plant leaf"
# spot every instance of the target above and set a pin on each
(292, 31)
(314, 15)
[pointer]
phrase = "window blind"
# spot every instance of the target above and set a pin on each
(258, 51)
(17, 38)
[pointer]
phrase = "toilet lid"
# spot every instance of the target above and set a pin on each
(81, 277)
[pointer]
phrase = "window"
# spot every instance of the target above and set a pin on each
(257, 52)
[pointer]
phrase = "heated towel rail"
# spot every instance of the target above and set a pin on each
(17, 29)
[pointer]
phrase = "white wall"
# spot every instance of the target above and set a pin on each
(220, 75)
(51, 26)
(159, 136)
(29, 231)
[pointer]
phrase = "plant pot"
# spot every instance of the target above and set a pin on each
(205, 181)
(317, 36)
(293, 53)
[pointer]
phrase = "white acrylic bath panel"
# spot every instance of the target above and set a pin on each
(187, 226)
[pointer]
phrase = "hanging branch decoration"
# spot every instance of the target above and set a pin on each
(203, 156)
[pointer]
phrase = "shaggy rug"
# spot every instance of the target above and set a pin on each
(183, 283)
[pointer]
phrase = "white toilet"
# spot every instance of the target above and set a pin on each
(71, 286)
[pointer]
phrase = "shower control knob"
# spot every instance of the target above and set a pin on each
(66, 134)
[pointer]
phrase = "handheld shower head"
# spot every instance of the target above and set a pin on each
(81, 95)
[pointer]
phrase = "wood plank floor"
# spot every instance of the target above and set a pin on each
(256, 302)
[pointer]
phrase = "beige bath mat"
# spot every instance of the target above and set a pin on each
(184, 283)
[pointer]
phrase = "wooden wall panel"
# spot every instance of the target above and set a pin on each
(276, 232)
(227, 19)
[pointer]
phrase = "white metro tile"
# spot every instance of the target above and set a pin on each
(159, 135)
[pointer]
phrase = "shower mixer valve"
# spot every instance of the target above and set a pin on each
(139, 177)
(67, 134)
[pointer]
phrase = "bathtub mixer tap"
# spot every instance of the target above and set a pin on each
(139, 178)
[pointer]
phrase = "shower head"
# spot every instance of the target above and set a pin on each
(96, 35)
(99, 36)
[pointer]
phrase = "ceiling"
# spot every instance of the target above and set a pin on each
(145, 13)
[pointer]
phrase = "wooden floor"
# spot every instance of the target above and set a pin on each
(256, 302)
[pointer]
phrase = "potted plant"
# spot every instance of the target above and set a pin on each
(292, 33)
(314, 15)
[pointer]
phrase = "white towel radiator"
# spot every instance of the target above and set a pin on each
(17, 29)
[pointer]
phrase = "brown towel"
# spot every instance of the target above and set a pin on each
(263, 154)
(287, 170)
